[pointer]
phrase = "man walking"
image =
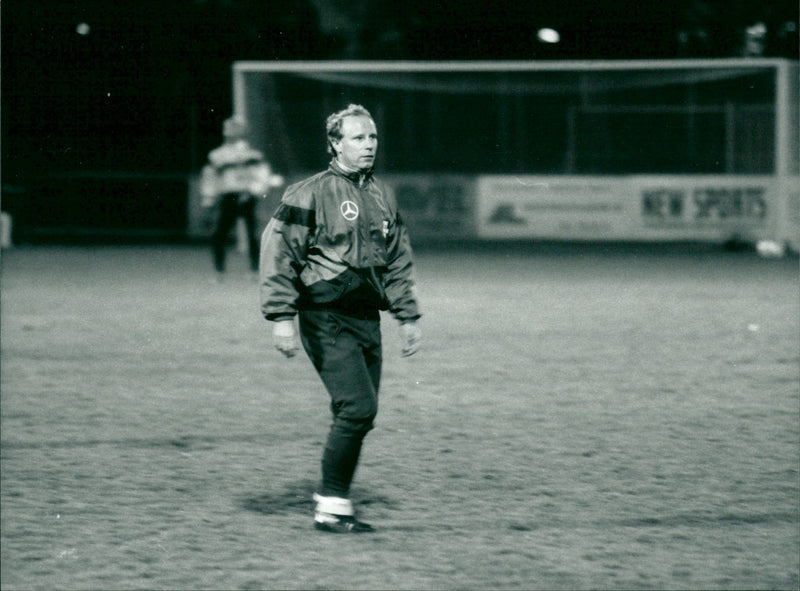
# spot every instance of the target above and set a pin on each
(334, 255)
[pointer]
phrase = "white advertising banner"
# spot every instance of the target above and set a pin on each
(708, 207)
(555, 207)
(788, 222)
(660, 208)
(435, 206)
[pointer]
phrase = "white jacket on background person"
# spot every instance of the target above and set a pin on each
(236, 167)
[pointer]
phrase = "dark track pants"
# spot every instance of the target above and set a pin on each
(346, 352)
(231, 207)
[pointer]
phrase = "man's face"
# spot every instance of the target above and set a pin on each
(356, 149)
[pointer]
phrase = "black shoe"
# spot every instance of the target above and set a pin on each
(341, 524)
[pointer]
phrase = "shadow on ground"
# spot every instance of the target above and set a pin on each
(296, 497)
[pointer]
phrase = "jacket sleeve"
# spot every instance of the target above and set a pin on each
(262, 179)
(208, 185)
(399, 279)
(284, 247)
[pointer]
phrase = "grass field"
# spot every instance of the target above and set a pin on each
(577, 418)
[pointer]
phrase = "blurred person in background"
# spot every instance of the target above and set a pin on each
(335, 254)
(235, 176)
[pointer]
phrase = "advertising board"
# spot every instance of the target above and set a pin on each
(553, 207)
(435, 206)
(658, 208)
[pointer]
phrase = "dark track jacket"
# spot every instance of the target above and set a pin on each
(337, 241)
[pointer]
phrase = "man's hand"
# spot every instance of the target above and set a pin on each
(411, 335)
(284, 337)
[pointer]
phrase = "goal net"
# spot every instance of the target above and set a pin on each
(653, 150)
(642, 117)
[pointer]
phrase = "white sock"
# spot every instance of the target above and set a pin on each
(334, 505)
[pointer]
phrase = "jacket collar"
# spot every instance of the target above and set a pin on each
(354, 176)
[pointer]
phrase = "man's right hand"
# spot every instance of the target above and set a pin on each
(284, 337)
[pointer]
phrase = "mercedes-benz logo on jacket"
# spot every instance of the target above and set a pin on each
(349, 210)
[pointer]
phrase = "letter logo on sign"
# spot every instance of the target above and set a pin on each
(349, 210)
(662, 204)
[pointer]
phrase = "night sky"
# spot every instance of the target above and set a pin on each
(144, 84)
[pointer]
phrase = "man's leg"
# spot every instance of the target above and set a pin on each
(227, 217)
(247, 210)
(346, 354)
(340, 458)
(355, 381)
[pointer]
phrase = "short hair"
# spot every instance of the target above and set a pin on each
(333, 124)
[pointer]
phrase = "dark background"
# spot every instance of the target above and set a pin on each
(145, 91)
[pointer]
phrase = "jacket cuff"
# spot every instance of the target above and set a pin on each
(279, 317)
(409, 319)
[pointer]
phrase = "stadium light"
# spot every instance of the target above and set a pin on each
(548, 35)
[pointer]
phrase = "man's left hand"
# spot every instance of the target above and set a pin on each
(411, 335)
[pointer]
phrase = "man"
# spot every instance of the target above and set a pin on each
(334, 254)
(232, 180)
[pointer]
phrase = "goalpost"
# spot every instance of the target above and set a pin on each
(578, 150)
